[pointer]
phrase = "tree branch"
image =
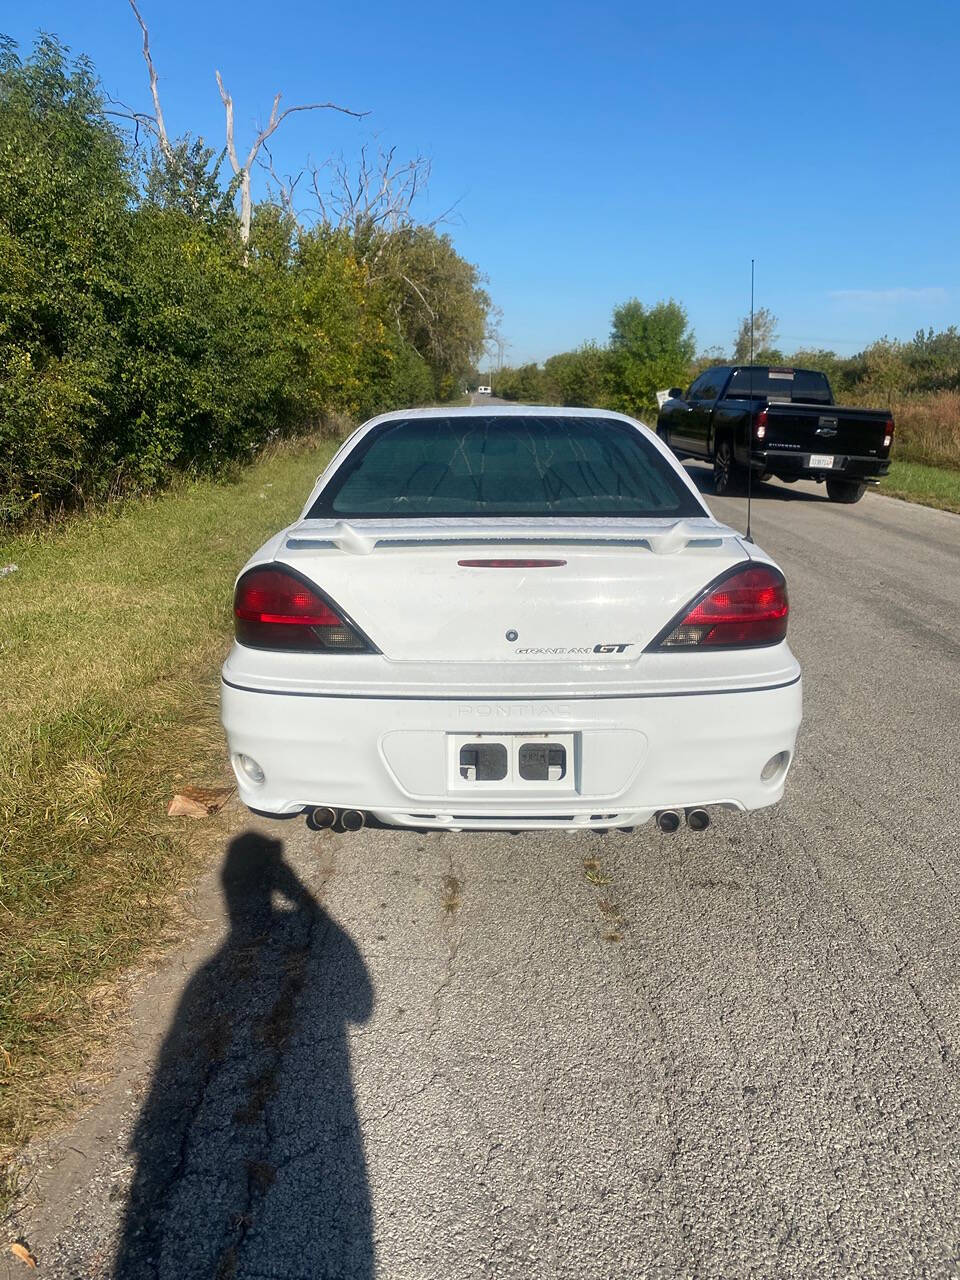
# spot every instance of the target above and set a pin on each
(161, 128)
(228, 108)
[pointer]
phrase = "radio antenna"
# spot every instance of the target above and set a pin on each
(748, 535)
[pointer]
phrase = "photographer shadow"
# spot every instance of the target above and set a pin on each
(249, 1154)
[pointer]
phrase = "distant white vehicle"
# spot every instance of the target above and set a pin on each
(509, 618)
(484, 391)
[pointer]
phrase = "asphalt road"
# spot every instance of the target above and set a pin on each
(573, 1055)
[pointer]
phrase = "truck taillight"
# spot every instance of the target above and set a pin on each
(745, 608)
(888, 434)
(760, 426)
(274, 608)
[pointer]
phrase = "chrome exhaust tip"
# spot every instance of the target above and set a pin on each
(322, 817)
(668, 820)
(352, 819)
(698, 819)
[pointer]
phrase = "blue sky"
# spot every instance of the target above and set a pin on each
(608, 151)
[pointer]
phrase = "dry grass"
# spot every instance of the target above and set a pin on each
(112, 631)
(927, 424)
(928, 429)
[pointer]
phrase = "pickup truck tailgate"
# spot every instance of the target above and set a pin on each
(830, 429)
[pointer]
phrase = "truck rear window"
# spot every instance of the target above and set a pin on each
(805, 386)
(505, 466)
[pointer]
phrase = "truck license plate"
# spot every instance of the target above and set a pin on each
(822, 459)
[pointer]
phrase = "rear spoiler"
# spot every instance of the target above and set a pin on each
(344, 537)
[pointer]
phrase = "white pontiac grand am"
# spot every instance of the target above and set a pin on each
(509, 617)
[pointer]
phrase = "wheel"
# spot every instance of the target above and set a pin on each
(845, 490)
(726, 473)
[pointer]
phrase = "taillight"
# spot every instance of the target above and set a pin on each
(745, 608)
(888, 434)
(274, 608)
(511, 564)
(760, 426)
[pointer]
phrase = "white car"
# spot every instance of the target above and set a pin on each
(509, 617)
(484, 391)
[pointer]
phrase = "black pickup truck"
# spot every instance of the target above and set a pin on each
(778, 422)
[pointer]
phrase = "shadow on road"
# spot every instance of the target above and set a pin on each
(249, 1154)
(702, 477)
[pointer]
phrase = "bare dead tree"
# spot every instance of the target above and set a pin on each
(377, 195)
(277, 117)
(156, 123)
(285, 186)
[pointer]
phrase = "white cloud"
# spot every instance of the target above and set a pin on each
(875, 299)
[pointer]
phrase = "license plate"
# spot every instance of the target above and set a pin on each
(822, 460)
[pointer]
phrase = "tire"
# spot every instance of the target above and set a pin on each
(845, 490)
(726, 474)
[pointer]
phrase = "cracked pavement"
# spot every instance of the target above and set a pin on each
(427, 1057)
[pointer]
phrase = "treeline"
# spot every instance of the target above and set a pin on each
(139, 335)
(649, 348)
(652, 349)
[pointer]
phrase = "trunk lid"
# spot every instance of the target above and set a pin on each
(828, 429)
(618, 584)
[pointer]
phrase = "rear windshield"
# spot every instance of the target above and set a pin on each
(803, 385)
(504, 466)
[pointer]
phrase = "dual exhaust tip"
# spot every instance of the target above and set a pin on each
(349, 819)
(668, 820)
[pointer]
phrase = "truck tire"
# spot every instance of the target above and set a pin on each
(845, 490)
(727, 477)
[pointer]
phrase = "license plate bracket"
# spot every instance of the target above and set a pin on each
(512, 761)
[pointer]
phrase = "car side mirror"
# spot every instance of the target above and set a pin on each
(675, 393)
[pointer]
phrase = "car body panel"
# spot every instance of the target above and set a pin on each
(511, 651)
(389, 756)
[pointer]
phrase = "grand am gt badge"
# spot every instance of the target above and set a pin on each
(576, 651)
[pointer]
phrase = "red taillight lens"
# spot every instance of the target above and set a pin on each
(760, 426)
(275, 608)
(888, 434)
(743, 610)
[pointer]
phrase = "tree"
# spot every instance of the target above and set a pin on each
(140, 334)
(583, 378)
(651, 348)
(154, 122)
(764, 339)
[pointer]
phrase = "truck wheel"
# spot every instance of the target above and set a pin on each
(845, 490)
(726, 473)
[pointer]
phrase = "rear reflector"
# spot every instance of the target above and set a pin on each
(745, 608)
(274, 608)
(510, 564)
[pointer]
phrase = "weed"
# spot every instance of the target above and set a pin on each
(113, 631)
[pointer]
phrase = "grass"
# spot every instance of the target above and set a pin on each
(928, 429)
(931, 486)
(111, 635)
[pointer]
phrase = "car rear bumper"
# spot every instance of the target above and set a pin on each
(394, 758)
(796, 465)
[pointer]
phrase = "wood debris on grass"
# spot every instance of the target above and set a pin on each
(198, 802)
